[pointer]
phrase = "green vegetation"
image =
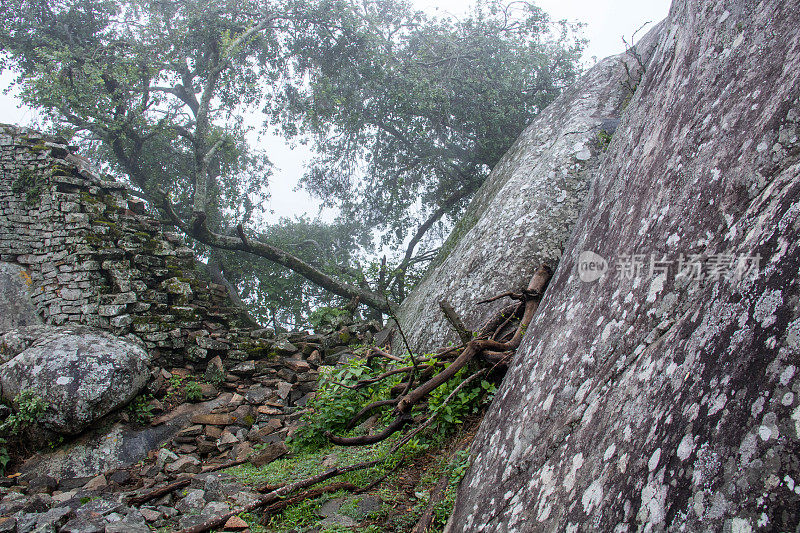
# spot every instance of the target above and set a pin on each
(468, 401)
(29, 183)
(400, 511)
(604, 140)
(29, 409)
(192, 392)
(337, 401)
(140, 409)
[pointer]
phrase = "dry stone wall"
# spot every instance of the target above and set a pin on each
(93, 257)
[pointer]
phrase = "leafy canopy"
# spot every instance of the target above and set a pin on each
(407, 112)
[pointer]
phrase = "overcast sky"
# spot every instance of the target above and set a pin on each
(607, 22)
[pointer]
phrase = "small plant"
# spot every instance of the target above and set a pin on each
(27, 182)
(141, 410)
(30, 407)
(466, 402)
(193, 392)
(4, 455)
(334, 405)
(603, 140)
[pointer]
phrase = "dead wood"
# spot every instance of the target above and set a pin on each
(222, 466)
(396, 424)
(307, 495)
(377, 352)
(437, 495)
(504, 316)
(458, 325)
(159, 492)
(368, 409)
(410, 398)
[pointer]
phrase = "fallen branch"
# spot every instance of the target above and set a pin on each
(223, 466)
(397, 424)
(377, 352)
(284, 490)
(506, 322)
(437, 495)
(368, 409)
(410, 398)
(159, 492)
(450, 314)
(505, 314)
(307, 495)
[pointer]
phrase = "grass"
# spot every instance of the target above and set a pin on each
(405, 492)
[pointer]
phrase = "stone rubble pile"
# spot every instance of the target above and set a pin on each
(260, 402)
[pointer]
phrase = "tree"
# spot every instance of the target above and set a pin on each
(284, 299)
(159, 87)
(159, 90)
(411, 116)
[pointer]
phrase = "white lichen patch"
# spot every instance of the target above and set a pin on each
(767, 304)
(592, 496)
(685, 447)
(609, 453)
(569, 479)
(652, 464)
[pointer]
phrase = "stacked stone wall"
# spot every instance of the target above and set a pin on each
(94, 257)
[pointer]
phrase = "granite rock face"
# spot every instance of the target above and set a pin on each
(16, 307)
(522, 216)
(647, 400)
(82, 373)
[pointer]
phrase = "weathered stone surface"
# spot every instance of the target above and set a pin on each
(109, 449)
(16, 306)
(82, 373)
(643, 402)
(14, 342)
(92, 257)
(522, 216)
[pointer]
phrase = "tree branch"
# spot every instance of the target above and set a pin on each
(198, 230)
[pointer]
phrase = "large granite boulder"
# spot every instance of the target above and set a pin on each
(523, 214)
(82, 373)
(16, 307)
(646, 400)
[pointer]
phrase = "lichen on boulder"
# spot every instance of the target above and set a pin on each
(82, 373)
(645, 400)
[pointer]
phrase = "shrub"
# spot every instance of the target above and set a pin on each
(30, 407)
(193, 392)
(334, 405)
(140, 409)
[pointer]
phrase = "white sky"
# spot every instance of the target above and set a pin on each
(607, 22)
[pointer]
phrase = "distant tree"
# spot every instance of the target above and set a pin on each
(410, 113)
(159, 90)
(284, 299)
